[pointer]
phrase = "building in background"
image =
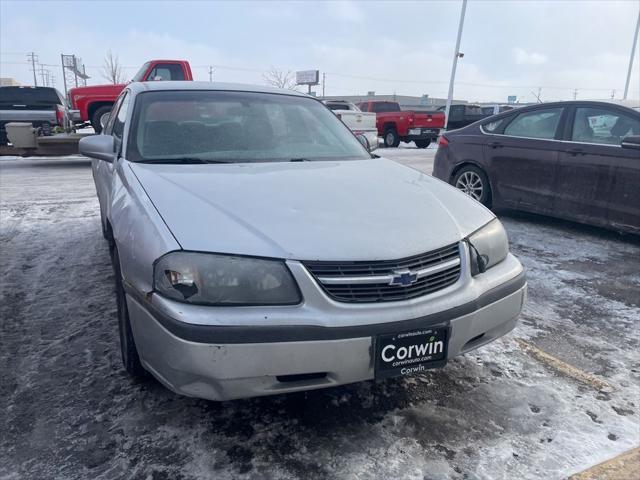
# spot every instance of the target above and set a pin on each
(9, 82)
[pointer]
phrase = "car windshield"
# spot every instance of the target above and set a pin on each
(138, 76)
(29, 96)
(385, 107)
(236, 127)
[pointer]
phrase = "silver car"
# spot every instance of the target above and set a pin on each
(259, 248)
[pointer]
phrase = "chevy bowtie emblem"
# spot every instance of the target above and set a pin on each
(403, 278)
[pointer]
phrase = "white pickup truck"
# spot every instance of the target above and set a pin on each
(359, 122)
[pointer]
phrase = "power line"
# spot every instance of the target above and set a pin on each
(343, 75)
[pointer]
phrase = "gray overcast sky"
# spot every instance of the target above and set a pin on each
(511, 47)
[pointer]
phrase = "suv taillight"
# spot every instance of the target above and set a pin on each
(443, 142)
(60, 115)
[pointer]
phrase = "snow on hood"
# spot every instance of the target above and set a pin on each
(347, 210)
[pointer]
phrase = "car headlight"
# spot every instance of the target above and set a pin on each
(225, 280)
(488, 246)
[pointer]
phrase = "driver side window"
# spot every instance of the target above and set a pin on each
(166, 71)
(603, 126)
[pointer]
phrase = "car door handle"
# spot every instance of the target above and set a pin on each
(495, 144)
(575, 151)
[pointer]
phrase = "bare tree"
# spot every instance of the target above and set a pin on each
(280, 79)
(112, 70)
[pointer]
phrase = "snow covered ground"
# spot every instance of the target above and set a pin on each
(557, 395)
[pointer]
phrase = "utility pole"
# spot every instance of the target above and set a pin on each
(64, 74)
(613, 94)
(42, 74)
(456, 55)
(324, 77)
(210, 73)
(633, 52)
(34, 58)
(575, 93)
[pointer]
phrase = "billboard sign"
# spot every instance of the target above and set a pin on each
(308, 77)
(512, 98)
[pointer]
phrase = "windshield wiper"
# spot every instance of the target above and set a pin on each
(300, 159)
(181, 160)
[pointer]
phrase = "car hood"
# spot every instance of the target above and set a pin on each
(347, 210)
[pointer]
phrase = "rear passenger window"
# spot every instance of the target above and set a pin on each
(536, 124)
(604, 126)
(496, 126)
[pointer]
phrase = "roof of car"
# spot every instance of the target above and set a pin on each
(592, 103)
(138, 87)
(602, 103)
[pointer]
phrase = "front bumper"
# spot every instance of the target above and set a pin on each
(223, 354)
(74, 116)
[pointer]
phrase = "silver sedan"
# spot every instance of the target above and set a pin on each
(259, 248)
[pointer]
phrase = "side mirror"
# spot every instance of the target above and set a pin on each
(632, 141)
(98, 146)
(364, 141)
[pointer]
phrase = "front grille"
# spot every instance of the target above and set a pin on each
(363, 282)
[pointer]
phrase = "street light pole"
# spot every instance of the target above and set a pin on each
(633, 52)
(456, 55)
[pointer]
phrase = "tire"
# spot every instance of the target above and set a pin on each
(107, 233)
(97, 115)
(391, 138)
(423, 143)
(128, 350)
(474, 182)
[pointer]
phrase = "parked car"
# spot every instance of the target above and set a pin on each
(43, 107)
(395, 125)
(463, 115)
(574, 160)
(92, 104)
(254, 255)
(359, 122)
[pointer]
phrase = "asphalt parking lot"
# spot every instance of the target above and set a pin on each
(553, 398)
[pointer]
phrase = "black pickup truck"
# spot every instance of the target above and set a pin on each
(43, 107)
(463, 115)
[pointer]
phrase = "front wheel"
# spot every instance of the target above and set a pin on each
(422, 143)
(98, 118)
(474, 182)
(130, 357)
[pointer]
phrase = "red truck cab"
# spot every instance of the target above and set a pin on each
(395, 125)
(90, 104)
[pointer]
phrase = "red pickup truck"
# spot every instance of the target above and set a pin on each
(395, 125)
(90, 104)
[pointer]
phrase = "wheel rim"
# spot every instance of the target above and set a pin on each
(471, 184)
(104, 118)
(390, 138)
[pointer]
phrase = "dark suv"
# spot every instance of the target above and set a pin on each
(574, 160)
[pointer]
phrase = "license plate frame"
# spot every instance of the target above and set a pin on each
(415, 358)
